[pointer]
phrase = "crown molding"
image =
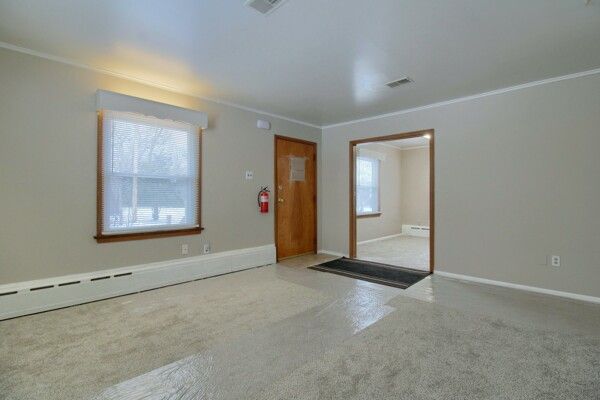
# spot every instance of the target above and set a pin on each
(171, 89)
(63, 60)
(468, 98)
(415, 147)
(393, 146)
(385, 145)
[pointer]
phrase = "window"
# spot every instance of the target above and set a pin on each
(367, 186)
(149, 177)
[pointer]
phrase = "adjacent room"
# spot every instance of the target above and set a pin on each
(299, 199)
(393, 202)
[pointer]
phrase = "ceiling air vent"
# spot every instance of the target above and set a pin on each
(398, 82)
(264, 6)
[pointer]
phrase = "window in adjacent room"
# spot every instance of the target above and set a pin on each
(149, 177)
(367, 186)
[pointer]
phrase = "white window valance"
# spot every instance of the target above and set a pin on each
(362, 152)
(106, 100)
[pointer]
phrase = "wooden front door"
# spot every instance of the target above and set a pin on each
(295, 197)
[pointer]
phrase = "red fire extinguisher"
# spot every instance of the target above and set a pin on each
(263, 200)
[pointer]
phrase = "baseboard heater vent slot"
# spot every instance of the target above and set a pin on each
(41, 288)
(415, 230)
(69, 283)
(23, 298)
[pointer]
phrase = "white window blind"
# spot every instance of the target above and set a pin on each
(150, 174)
(367, 185)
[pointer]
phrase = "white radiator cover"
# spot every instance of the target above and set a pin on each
(415, 230)
(17, 299)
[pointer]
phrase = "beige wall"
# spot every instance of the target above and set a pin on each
(517, 179)
(414, 204)
(389, 222)
(48, 173)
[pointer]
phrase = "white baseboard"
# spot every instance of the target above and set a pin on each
(534, 289)
(24, 298)
(380, 238)
(415, 230)
(333, 253)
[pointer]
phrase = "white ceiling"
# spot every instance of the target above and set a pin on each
(321, 62)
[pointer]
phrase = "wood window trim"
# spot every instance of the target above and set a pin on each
(121, 237)
(369, 215)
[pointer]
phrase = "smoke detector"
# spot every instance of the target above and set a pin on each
(264, 6)
(398, 82)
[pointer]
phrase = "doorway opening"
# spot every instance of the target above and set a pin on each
(295, 197)
(392, 217)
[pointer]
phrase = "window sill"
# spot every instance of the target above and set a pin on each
(369, 215)
(146, 235)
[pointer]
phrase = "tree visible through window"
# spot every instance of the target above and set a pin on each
(150, 175)
(367, 185)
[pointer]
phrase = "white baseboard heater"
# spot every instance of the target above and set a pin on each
(415, 230)
(30, 297)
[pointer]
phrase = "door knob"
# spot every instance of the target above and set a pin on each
(280, 200)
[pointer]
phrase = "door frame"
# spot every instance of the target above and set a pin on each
(276, 188)
(352, 192)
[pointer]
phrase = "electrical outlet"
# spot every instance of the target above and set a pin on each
(249, 175)
(206, 248)
(555, 261)
(185, 249)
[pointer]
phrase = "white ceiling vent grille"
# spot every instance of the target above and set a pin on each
(264, 6)
(399, 82)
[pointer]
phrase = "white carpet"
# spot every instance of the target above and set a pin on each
(402, 251)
